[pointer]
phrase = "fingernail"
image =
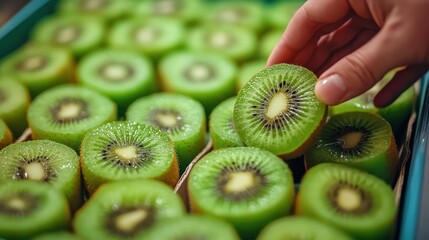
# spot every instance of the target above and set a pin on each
(331, 90)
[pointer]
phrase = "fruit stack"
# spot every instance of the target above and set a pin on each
(156, 119)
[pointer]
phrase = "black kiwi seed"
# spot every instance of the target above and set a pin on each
(79, 111)
(18, 205)
(110, 155)
(364, 206)
(32, 63)
(158, 116)
(116, 71)
(113, 220)
(22, 171)
(199, 72)
(66, 34)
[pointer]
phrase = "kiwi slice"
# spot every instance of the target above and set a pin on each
(349, 199)
(122, 76)
(358, 139)
(206, 77)
(182, 117)
(248, 14)
(39, 67)
(248, 187)
(14, 101)
(234, 42)
(106, 10)
(63, 235)
(268, 42)
(80, 34)
(127, 210)
(45, 161)
(66, 113)
(153, 37)
(247, 70)
(127, 150)
(6, 136)
(300, 227)
(29, 208)
(277, 110)
(221, 124)
(193, 227)
(280, 13)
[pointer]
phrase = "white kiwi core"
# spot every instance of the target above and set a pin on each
(66, 34)
(167, 119)
(128, 221)
(33, 63)
(219, 39)
(239, 182)
(126, 153)
(16, 203)
(69, 111)
(35, 171)
(199, 72)
(146, 35)
(115, 72)
(229, 15)
(165, 7)
(277, 105)
(352, 139)
(348, 199)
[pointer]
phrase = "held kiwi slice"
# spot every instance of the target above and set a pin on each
(221, 125)
(106, 10)
(351, 200)
(300, 227)
(193, 227)
(127, 150)
(122, 76)
(6, 136)
(14, 101)
(247, 70)
(206, 77)
(67, 112)
(182, 117)
(248, 187)
(127, 210)
(234, 42)
(358, 139)
(45, 161)
(277, 110)
(29, 208)
(39, 67)
(80, 34)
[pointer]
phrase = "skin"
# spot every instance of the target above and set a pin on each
(352, 44)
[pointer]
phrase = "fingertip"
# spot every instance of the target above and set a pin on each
(331, 90)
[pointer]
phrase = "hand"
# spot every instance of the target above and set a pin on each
(352, 44)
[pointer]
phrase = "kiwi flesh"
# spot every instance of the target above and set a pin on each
(6, 136)
(247, 187)
(359, 204)
(127, 209)
(105, 10)
(29, 208)
(247, 70)
(66, 113)
(182, 117)
(280, 13)
(63, 235)
(300, 227)
(358, 139)
(268, 42)
(277, 110)
(127, 150)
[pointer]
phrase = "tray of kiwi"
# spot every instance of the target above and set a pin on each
(155, 119)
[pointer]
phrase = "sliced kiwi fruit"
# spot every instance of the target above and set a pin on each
(121, 75)
(358, 139)
(234, 42)
(45, 161)
(277, 110)
(248, 14)
(14, 101)
(221, 125)
(300, 227)
(153, 37)
(66, 113)
(193, 227)
(206, 77)
(182, 117)
(6, 136)
(80, 34)
(39, 67)
(106, 10)
(247, 187)
(127, 209)
(127, 150)
(62, 235)
(357, 203)
(268, 42)
(247, 70)
(29, 208)
(279, 14)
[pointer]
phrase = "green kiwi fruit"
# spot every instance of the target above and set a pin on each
(279, 14)
(247, 187)
(127, 150)
(80, 34)
(106, 10)
(45, 161)
(127, 210)
(268, 42)
(182, 117)
(300, 227)
(122, 76)
(277, 110)
(67, 112)
(153, 37)
(193, 227)
(248, 14)
(6, 136)
(39, 67)
(62, 235)
(247, 70)
(358, 139)
(29, 208)
(234, 42)
(14, 101)
(221, 126)
(206, 77)
(359, 204)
